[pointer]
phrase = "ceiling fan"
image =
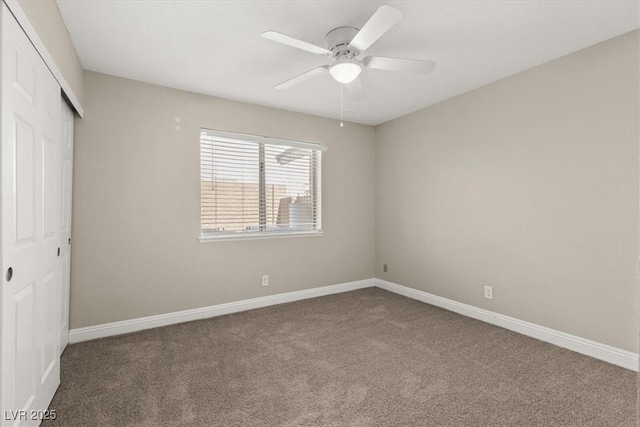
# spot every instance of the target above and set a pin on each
(346, 45)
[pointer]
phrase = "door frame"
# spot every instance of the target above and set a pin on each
(21, 16)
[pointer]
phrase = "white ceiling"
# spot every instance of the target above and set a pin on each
(215, 48)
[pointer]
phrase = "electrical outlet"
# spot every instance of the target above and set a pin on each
(265, 280)
(488, 292)
(384, 268)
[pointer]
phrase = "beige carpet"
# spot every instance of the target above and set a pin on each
(361, 358)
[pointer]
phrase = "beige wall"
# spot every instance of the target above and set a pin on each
(47, 21)
(530, 185)
(136, 206)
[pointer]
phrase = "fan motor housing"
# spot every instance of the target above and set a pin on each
(338, 39)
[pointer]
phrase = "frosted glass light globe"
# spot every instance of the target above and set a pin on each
(345, 71)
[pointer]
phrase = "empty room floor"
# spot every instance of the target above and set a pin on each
(367, 357)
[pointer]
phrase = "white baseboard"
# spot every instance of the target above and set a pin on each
(139, 324)
(604, 352)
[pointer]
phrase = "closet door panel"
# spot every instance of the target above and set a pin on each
(50, 244)
(31, 279)
(23, 151)
(24, 380)
(21, 187)
(66, 146)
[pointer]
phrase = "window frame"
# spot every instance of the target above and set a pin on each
(315, 187)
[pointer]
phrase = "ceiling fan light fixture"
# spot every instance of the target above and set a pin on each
(345, 71)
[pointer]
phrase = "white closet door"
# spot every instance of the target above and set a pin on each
(65, 219)
(31, 282)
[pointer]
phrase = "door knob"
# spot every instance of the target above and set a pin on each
(9, 274)
(58, 251)
(69, 240)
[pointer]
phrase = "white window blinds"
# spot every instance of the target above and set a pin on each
(254, 186)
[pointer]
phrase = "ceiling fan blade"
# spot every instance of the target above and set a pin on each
(302, 77)
(382, 20)
(357, 90)
(290, 41)
(398, 64)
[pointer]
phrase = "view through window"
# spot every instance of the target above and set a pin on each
(258, 186)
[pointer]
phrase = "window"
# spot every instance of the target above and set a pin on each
(252, 186)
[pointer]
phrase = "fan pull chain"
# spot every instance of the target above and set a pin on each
(341, 122)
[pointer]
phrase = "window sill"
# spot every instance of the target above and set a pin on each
(260, 236)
